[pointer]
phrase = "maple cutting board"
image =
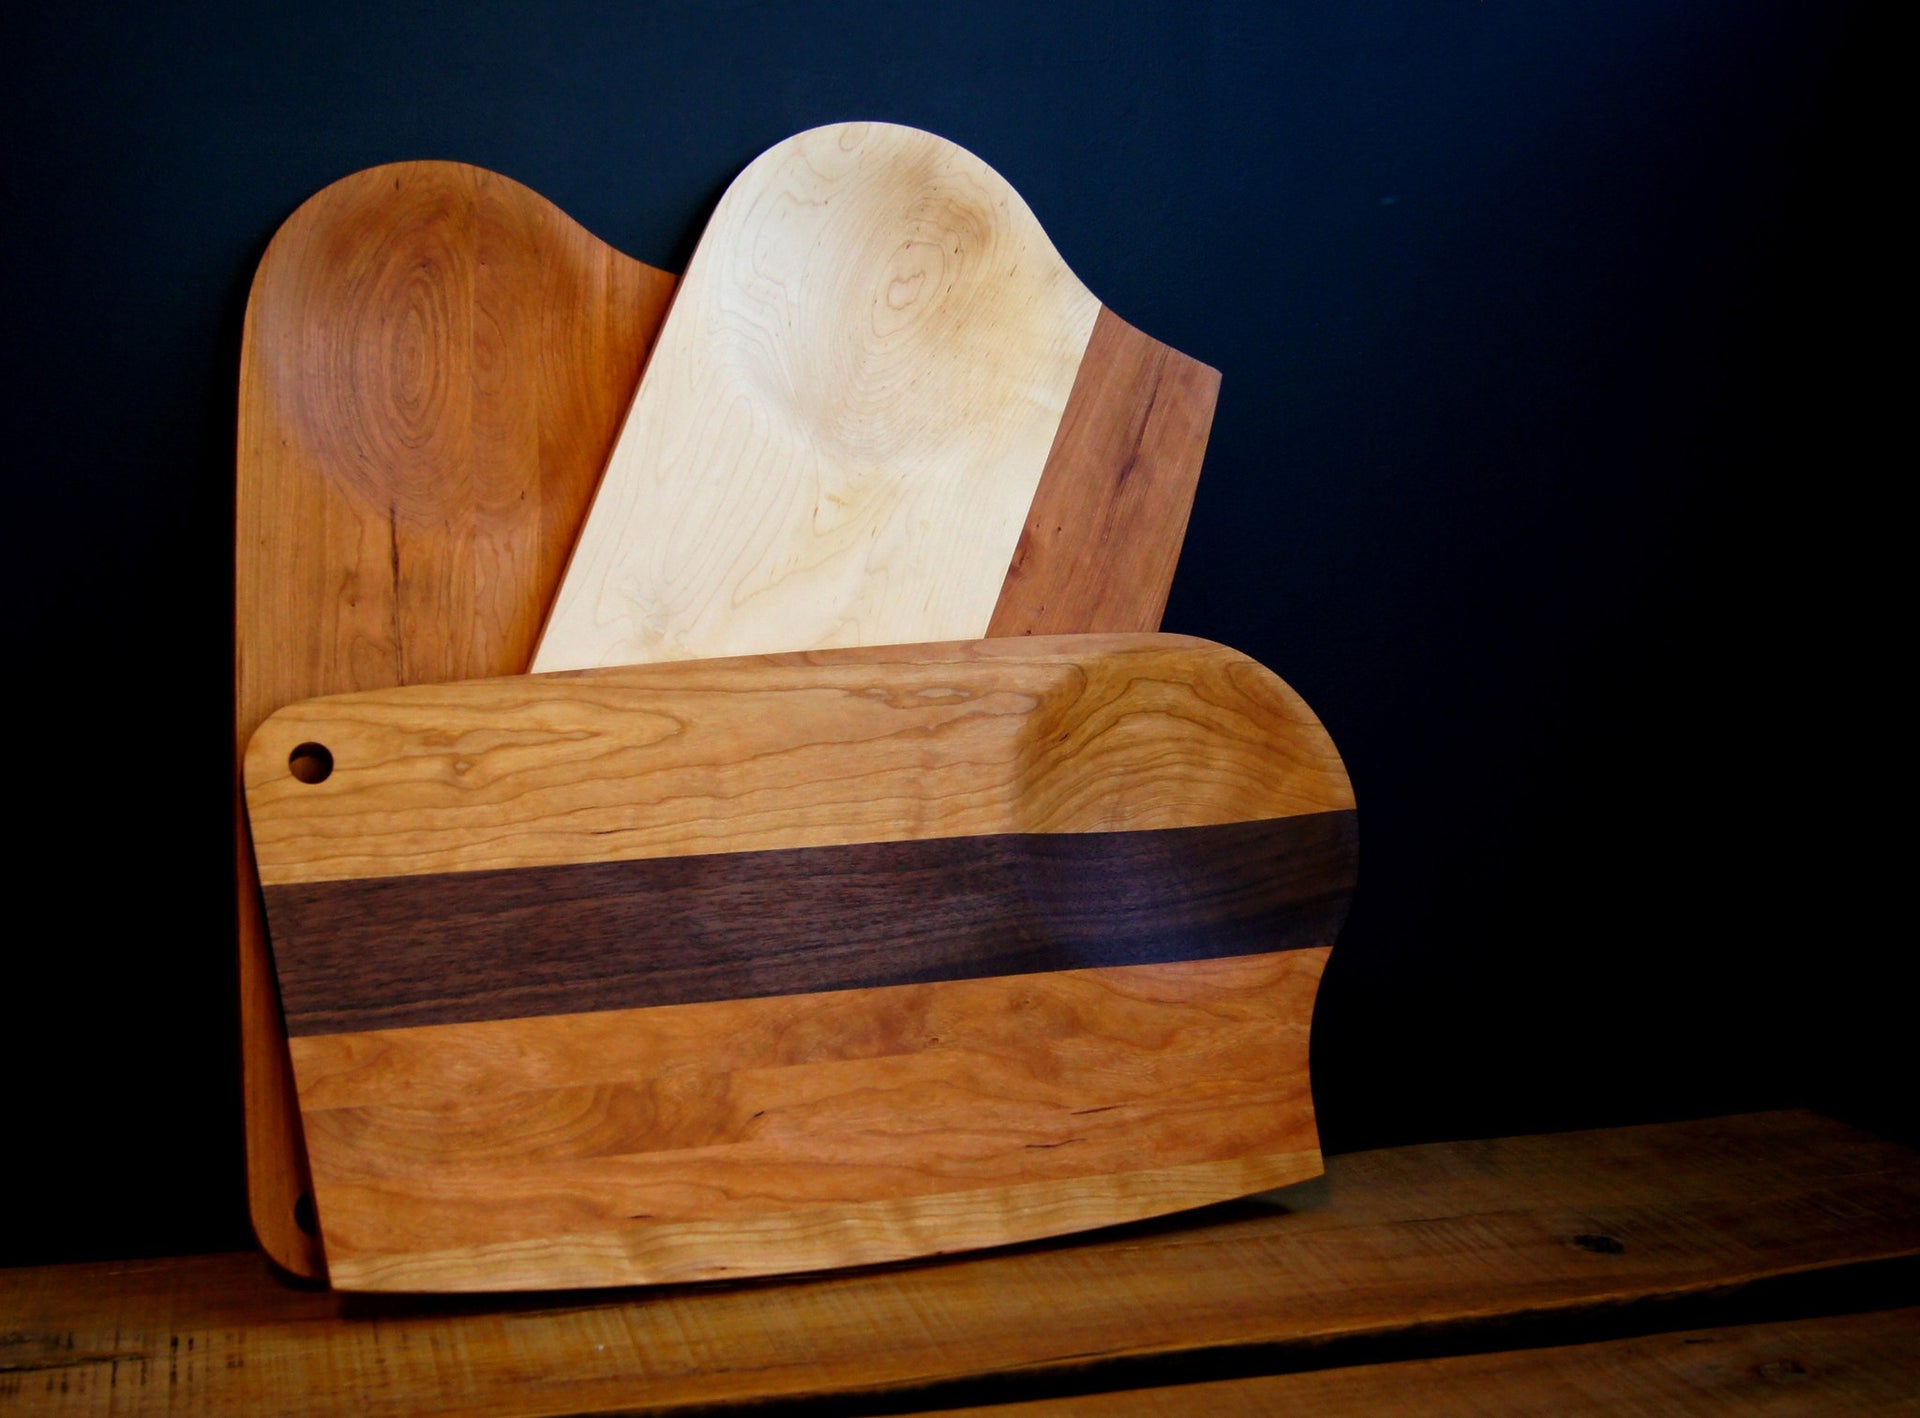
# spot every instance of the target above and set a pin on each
(883, 410)
(434, 367)
(724, 968)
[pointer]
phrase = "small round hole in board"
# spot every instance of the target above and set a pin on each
(311, 763)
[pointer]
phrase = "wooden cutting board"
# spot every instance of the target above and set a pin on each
(434, 367)
(883, 410)
(735, 967)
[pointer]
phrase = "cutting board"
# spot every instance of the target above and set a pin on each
(883, 410)
(727, 968)
(434, 367)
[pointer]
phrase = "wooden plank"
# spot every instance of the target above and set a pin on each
(877, 374)
(1128, 854)
(1852, 1364)
(434, 364)
(1393, 1243)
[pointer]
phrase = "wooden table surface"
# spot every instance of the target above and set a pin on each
(1762, 1263)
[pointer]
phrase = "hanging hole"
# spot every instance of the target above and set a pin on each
(311, 763)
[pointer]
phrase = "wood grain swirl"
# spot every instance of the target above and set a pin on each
(434, 365)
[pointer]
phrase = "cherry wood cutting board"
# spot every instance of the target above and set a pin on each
(434, 367)
(735, 967)
(883, 410)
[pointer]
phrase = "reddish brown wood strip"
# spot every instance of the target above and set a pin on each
(1103, 535)
(1106, 1089)
(976, 738)
(461, 947)
(433, 369)
(756, 1136)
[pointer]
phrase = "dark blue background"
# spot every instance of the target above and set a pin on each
(1551, 465)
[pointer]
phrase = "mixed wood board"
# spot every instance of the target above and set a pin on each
(733, 967)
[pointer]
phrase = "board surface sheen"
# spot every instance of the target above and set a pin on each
(737, 967)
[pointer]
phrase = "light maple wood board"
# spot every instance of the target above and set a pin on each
(736, 967)
(434, 366)
(883, 410)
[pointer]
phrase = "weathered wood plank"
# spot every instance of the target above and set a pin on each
(1846, 1364)
(1394, 1241)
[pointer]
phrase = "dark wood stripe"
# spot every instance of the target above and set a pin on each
(470, 946)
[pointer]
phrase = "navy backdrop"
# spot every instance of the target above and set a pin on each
(1548, 467)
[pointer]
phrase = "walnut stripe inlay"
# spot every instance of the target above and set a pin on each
(463, 947)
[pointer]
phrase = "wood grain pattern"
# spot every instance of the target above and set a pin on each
(974, 738)
(469, 946)
(1392, 1248)
(434, 366)
(876, 371)
(928, 835)
(768, 1135)
(1843, 1364)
